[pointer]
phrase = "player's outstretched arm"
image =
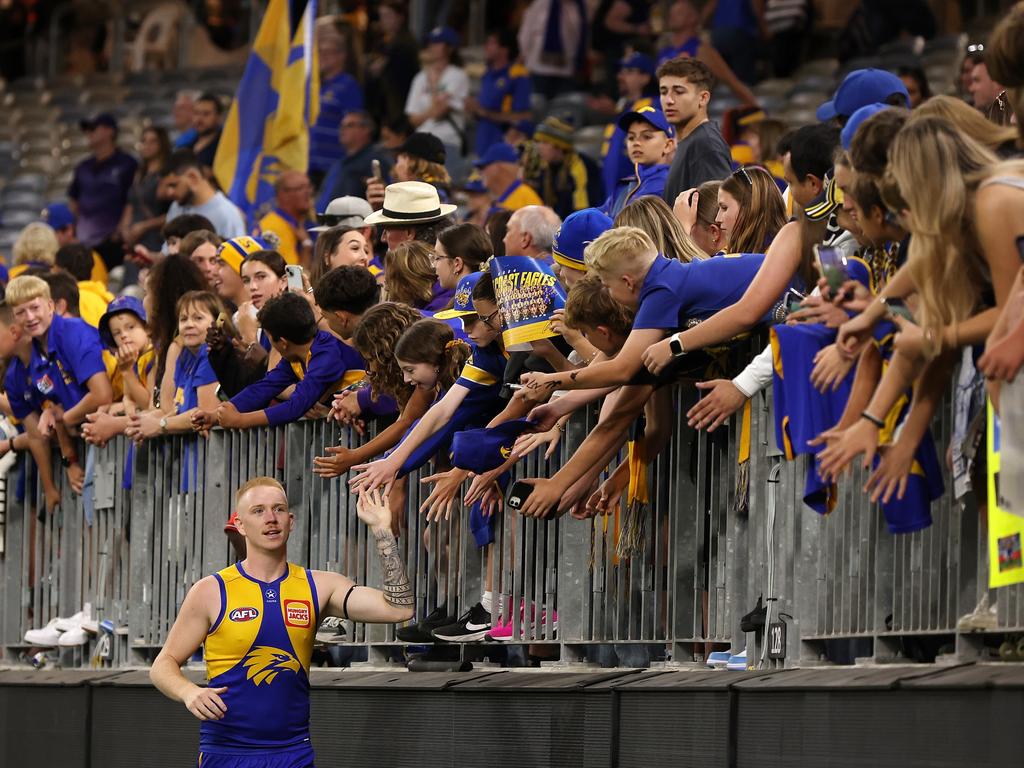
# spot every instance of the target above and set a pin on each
(184, 639)
(393, 603)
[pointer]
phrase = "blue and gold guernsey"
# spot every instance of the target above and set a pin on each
(260, 649)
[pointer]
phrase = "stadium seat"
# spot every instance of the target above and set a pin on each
(14, 218)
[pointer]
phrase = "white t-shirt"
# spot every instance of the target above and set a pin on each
(455, 83)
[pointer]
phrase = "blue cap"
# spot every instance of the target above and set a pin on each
(858, 117)
(640, 61)
(103, 118)
(578, 231)
(650, 115)
(474, 184)
(116, 307)
(498, 153)
(463, 302)
(860, 88)
(481, 450)
(444, 35)
(58, 215)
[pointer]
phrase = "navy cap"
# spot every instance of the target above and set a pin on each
(444, 35)
(858, 117)
(103, 118)
(463, 302)
(498, 153)
(650, 115)
(58, 215)
(578, 231)
(640, 61)
(481, 450)
(116, 307)
(860, 88)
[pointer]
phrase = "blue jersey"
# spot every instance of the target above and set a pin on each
(338, 96)
(503, 90)
(191, 371)
(688, 50)
(72, 356)
(674, 292)
(23, 397)
(260, 648)
(646, 180)
(329, 365)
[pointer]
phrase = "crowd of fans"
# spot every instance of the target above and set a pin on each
(882, 245)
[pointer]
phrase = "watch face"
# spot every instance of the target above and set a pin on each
(675, 346)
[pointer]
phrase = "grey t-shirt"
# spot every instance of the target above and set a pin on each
(222, 213)
(701, 156)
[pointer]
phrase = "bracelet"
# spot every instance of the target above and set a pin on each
(873, 419)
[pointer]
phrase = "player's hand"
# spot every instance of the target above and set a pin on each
(373, 509)
(721, 400)
(206, 703)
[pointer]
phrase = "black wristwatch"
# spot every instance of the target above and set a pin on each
(676, 345)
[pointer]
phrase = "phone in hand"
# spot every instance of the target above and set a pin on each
(833, 266)
(294, 272)
(378, 174)
(794, 299)
(898, 308)
(518, 494)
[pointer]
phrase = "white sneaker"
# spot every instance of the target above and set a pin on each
(75, 621)
(73, 637)
(983, 617)
(737, 662)
(91, 626)
(45, 637)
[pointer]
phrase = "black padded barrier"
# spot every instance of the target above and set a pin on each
(44, 717)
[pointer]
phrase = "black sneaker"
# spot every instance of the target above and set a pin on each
(420, 632)
(331, 630)
(754, 621)
(471, 627)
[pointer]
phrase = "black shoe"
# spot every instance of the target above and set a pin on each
(471, 627)
(420, 632)
(754, 621)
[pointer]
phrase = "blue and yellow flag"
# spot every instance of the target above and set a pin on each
(267, 130)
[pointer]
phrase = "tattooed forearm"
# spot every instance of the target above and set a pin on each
(397, 590)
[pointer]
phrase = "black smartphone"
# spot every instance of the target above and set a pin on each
(1020, 247)
(518, 494)
(898, 308)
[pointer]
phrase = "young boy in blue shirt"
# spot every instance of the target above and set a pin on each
(313, 361)
(66, 367)
(650, 142)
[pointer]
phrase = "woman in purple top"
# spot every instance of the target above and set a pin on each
(411, 279)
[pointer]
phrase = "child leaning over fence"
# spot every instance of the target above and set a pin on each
(314, 362)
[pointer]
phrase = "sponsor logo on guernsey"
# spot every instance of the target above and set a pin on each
(271, 596)
(298, 613)
(244, 614)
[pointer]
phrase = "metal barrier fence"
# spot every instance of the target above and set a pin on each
(704, 560)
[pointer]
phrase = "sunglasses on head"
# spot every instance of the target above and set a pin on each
(742, 173)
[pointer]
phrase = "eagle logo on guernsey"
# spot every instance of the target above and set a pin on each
(244, 614)
(263, 663)
(505, 452)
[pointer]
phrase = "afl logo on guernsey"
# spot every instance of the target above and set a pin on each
(244, 614)
(297, 613)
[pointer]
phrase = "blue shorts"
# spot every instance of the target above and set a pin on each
(295, 757)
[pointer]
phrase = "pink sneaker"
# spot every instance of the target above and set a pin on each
(500, 632)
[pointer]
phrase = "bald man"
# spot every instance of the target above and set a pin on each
(289, 220)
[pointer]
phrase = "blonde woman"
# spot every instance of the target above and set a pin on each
(652, 215)
(411, 279)
(36, 247)
(1001, 139)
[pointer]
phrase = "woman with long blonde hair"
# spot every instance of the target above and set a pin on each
(411, 279)
(750, 210)
(652, 215)
(1000, 139)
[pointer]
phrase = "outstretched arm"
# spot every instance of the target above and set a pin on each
(349, 600)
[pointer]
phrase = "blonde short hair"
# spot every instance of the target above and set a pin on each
(37, 242)
(26, 288)
(621, 251)
(257, 482)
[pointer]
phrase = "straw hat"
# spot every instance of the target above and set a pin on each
(410, 202)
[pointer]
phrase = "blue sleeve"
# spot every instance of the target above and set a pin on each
(204, 372)
(384, 405)
(258, 395)
(521, 94)
(74, 187)
(326, 366)
(482, 370)
(79, 346)
(16, 386)
(659, 309)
